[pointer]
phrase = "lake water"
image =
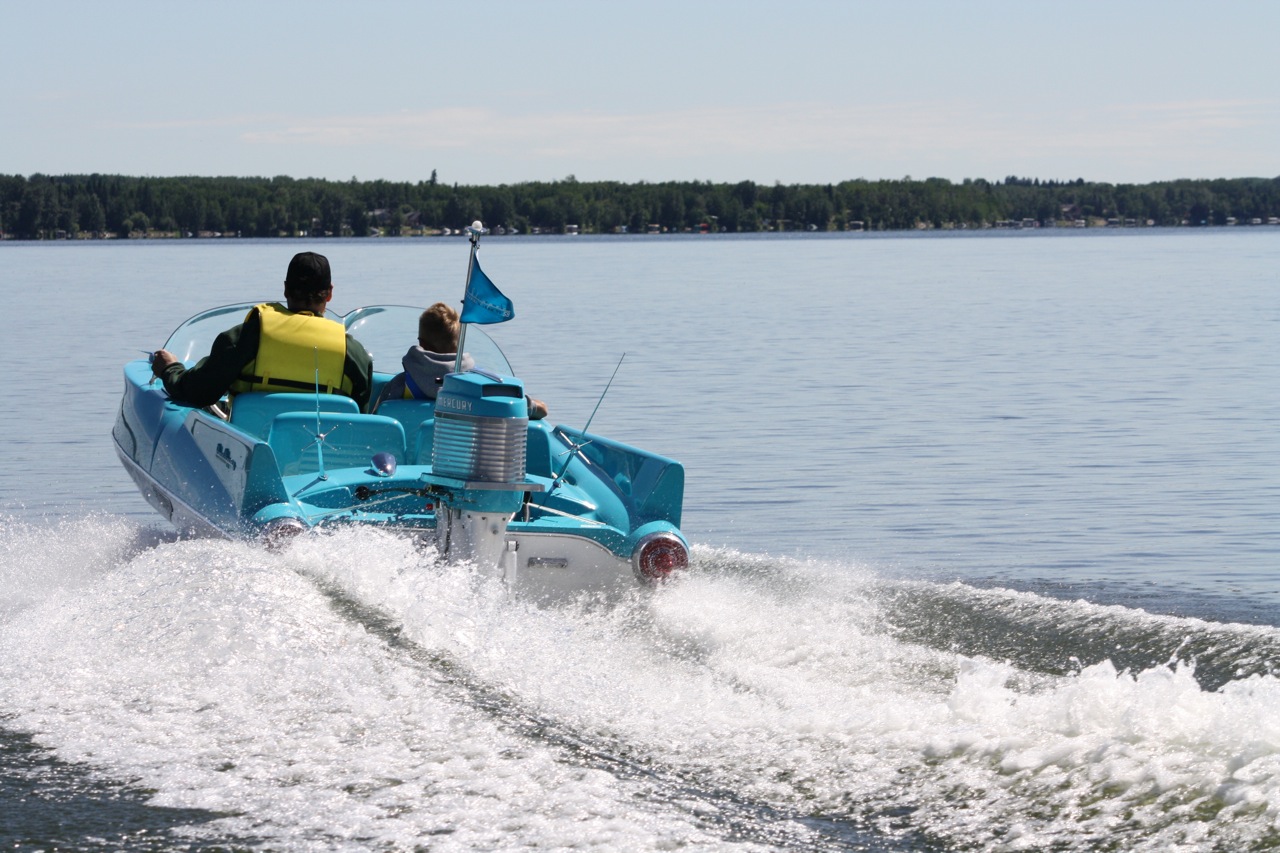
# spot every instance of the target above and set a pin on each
(986, 545)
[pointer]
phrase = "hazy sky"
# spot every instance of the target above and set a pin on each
(500, 92)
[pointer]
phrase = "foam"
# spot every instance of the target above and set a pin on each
(216, 676)
(352, 691)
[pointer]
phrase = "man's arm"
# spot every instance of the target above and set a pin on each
(211, 377)
(358, 367)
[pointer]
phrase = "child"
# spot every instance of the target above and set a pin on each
(435, 354)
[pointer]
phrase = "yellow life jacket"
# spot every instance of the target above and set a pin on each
(292, 347)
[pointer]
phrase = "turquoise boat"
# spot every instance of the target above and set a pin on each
(550, 509)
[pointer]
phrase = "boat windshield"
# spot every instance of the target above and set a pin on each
(386, 331)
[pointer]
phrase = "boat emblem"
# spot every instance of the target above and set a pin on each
(224, 456)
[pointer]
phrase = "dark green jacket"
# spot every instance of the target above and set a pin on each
(211, 377)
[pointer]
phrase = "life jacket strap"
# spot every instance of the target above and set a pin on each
(287, 383)
(413, 388)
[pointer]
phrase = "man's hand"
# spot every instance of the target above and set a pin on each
(537, 409)
(160, 359)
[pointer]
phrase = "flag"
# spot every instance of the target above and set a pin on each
(484, 303)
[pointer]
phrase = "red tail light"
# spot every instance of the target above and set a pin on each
(657, 556)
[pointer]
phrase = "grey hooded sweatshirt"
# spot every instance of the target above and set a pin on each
(427, 369)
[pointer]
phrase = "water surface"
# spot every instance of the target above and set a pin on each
(986, 532)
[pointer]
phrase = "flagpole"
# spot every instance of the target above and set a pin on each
(473, 234)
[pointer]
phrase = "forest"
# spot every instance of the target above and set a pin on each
(115, 206)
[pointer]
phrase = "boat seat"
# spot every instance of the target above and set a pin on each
(537, 454)
(350, 440)
(419, 419)
(411, 413)
(424, 441)
(253, 412)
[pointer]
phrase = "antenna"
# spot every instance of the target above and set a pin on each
(318, 436)
(575, 446)
(602, 393)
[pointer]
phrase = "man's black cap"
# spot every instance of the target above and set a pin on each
(308, 273)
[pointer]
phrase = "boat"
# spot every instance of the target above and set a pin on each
(550, 509)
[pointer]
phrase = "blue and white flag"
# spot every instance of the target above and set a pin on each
(484, 303)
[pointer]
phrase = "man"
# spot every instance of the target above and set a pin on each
(278, 348)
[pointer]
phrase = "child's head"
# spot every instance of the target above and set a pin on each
(438, 329)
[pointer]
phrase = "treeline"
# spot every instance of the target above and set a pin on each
(47, 207)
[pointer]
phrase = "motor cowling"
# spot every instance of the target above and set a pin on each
(481, 428)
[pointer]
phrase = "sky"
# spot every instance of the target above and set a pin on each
(803, 91)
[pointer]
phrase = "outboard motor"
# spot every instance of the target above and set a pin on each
(478, 464)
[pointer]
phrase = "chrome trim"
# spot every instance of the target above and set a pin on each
(639, 549)
(488, 449)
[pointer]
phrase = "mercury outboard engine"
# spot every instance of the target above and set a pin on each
(478, 466)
